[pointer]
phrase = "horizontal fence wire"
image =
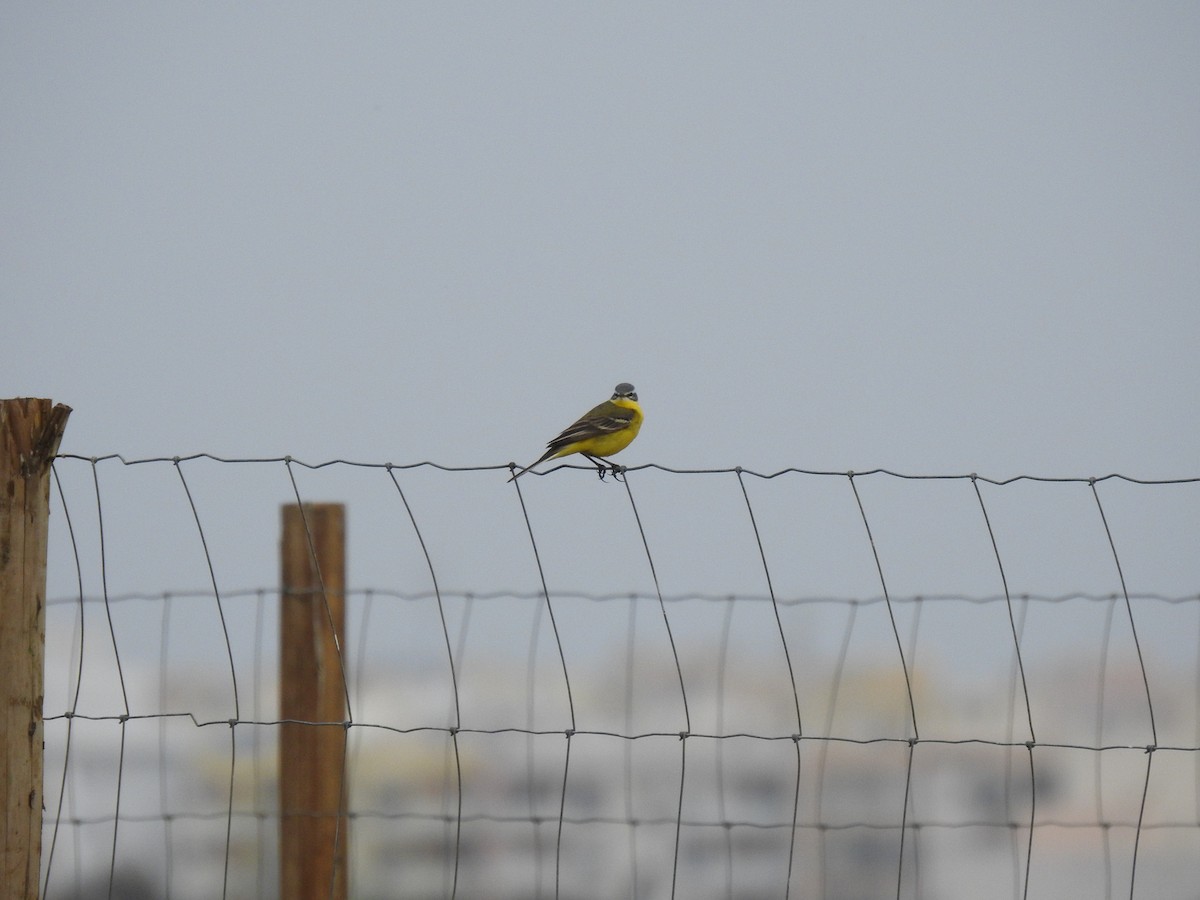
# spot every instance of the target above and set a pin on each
(572, 733)
(730, 470)
(200, 595)
(764, 740)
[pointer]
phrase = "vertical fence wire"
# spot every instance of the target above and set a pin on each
(1196, 732)
(627, 746)
(719, 755)
(687, 716)
(124, 718)
(259, 800)
(1020, 883)
(823, 747)
(787, 656)
(237, 707)
(531, 688)
(164, 788)
(77, 669)
(1098, 738)
(1020, 669)
(453, 674)
(910, 804)
(912, 707)
(1150, 749)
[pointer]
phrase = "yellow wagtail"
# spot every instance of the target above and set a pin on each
(601, 431)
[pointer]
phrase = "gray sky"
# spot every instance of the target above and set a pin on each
(938, 239)
(941, 238)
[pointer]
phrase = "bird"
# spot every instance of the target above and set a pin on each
(600, 432)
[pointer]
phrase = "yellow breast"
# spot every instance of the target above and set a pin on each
(615, 442)
(608, 444)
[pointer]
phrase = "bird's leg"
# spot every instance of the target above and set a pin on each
(600, 464)
(606, 467)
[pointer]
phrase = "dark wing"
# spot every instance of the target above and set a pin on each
(603, 419)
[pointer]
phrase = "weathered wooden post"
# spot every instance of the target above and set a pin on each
(312, 758)
(30, 431)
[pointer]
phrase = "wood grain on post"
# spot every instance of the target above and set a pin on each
(30, 431)
(312, 790)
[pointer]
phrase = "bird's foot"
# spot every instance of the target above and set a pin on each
(604, 468)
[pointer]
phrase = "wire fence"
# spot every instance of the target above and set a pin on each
(713, 683)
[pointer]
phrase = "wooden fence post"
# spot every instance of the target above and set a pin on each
(30, 431)
(313, 795)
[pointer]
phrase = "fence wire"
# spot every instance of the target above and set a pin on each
(578, 742)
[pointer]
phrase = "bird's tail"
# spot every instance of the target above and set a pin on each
(522, 472)
(545, 456)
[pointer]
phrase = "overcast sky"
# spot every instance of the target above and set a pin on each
(932, 238)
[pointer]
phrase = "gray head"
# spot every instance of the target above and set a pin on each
(625, 389)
